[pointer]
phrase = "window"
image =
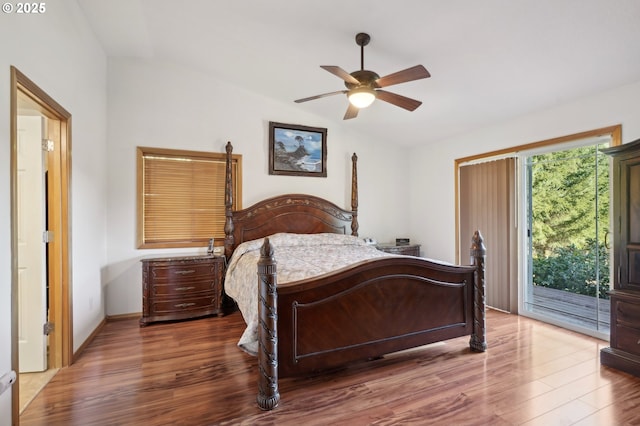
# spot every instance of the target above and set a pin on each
(181, 197)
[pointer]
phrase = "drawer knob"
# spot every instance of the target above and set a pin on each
(183, 305)
(185, 288)
(185, 271)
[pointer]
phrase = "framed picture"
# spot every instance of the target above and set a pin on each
(297, 150)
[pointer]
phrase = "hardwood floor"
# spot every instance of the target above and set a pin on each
(192, 373)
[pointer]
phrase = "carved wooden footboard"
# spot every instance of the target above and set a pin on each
(372, 309)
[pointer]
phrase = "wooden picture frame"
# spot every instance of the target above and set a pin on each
(296, 150)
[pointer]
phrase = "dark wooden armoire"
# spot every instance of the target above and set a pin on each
(624, 350)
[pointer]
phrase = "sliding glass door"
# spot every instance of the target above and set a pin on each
(567, 232)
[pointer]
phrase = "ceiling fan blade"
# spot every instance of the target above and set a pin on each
(352, 112)
(324, 95)
(398, 100)
(410, 74)
(340, 73)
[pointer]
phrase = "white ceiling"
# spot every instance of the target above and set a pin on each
(490, 60)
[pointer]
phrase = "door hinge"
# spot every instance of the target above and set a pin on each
(47, 236)
(47, 145)
(47, 328)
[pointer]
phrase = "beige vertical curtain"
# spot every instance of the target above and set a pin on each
(487, 202)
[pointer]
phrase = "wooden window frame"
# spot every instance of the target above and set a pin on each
(143, 238)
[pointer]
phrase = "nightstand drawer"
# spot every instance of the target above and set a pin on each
(184, 304)
(184, 288)
(182, 272)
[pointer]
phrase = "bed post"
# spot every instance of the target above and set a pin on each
(354, 194)
(268, 395)
(478, 342)
(228, 205)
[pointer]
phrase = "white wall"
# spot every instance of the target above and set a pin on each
(433, 205)
(165, 105)
(58, 52)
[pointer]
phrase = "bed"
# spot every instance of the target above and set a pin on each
(357, 312)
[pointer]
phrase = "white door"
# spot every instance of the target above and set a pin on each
(32, 272)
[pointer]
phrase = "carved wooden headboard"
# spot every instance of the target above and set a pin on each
(296, 213)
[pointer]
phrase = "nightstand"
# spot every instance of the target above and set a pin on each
(182, 287)
(408, 250)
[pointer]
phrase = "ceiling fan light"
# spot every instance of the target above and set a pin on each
(362, 97)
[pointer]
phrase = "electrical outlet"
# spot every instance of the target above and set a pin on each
(7, 380)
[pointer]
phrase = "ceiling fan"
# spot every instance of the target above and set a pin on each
(364, 86)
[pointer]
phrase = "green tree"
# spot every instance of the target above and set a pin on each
(563, 200)
(567, 244)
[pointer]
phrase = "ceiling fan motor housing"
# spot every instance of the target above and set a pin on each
(365, 77)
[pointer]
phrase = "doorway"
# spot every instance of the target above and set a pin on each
(519, 246)
(40, 236)
(566, 191)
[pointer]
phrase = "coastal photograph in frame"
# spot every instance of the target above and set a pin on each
(297, 150)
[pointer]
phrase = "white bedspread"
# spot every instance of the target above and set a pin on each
(298, 256)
